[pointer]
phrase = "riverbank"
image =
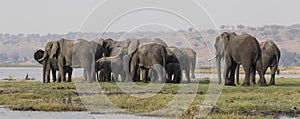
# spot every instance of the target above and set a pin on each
(283, 70)
(234, 102)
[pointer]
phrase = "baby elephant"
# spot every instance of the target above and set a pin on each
(111, 64)
(173, 69)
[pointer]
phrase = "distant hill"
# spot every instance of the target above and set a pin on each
(19, 49)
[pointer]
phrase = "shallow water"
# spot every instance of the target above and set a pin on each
(36, 73)
(10, 114)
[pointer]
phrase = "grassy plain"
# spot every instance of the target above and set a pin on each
(234, 102)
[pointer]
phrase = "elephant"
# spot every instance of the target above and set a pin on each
(146, 56)
(240, 49)
(192, 59)
(112, 64)
(104, 48)
(129, 46)
(173, 69)
(53, 66)
(176, 55)
(270, 58)
(73, 53)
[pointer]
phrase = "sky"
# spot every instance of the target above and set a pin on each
(63, 16)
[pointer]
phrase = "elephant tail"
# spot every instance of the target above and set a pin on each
(278, 71)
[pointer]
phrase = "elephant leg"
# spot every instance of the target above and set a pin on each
(192, 71)
(273, 71)
(247, 70)
(59, 78)
(115, 77)
(53, 75)
(237, 74)
(108, 76)
(232, 72)
(262, 80)
(46, 71)
(48, 77)
(84, 76)
(187, 73)
(126, 67)
(252, 75)
(169, 77)
(145, 75)
(101, 75)
(123, 76)
(70, 75)
(227, 69)
(158, 69)
(61, 70)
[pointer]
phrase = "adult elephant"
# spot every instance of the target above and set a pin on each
(146, 56)
(270, 59)
(52, 64)
(245, 50)
(129, 46)
(192, 59)
(176, 55)
(73, 53)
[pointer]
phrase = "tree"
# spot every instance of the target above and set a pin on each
(222, 27)
(240, 26)
(191, 29)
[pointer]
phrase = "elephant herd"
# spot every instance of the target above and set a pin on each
(131, 59)
(245, 50)
(153, 60)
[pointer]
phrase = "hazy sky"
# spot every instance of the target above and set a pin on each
(62, 16)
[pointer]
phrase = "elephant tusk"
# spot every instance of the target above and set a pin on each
(212, 58)
(42, 59)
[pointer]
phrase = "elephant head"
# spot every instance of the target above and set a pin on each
(51, 50)
(107, 45)
(220, 46)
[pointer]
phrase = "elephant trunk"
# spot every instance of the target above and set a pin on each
(218, 63)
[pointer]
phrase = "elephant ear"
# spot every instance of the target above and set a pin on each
(54, 49)
(39, 55)
(133, 46)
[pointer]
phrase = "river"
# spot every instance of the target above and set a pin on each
(36, 73)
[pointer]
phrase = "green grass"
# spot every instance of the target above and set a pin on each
(19, 65)
(234, 102)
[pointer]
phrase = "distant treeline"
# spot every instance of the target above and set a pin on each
(19, 48)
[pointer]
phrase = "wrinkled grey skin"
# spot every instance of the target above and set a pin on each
(192, 59)
(112, 64)
(74, 53)
(176, 55)
(270, 59)
(146, 56)
(104, 49)
(129, 46)
(245, 50)
(53, 66)
(173, 69)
